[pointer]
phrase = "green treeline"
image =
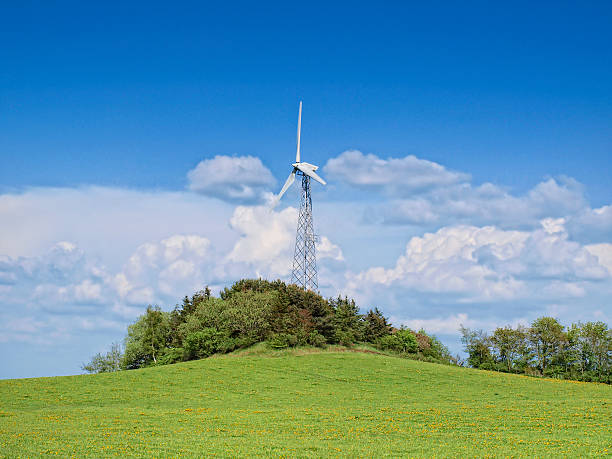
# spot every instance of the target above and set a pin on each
(253, 311)
(581, 352)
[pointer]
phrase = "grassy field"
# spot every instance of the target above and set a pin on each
(306, 404)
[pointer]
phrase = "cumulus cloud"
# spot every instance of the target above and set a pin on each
(487, 264)
(266, 239)
(173, 266)
(327, 249)
(425, 193)
(603, 252)
(448, 325)
(448, 261)
(67, 299)
(393, 175)
(120, 250)
(60, 279)
(66, 280)
(108, 222)
(591, 225)
(266, 242)
(488, 204)
(238, 179)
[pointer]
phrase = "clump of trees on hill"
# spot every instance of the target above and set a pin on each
(546, 348)
(253, 311)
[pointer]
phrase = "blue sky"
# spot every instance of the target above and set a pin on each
(498, 119)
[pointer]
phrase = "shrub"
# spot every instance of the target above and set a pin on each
(423, 341)
(316, 339)
(206, 342)
(402, 341)
(172, 355)
(107, 363)
(282, 341)
(389, 343)
(345, 338)
(408, 341)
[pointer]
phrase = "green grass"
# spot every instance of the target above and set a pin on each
(306, 404)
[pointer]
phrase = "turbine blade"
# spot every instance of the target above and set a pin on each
(297, 154)
(287, 184)
(311, 173)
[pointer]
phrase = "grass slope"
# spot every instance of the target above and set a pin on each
(304, 404)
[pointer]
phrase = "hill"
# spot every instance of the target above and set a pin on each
(304, 403)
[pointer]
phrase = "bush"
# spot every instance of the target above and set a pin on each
(389, 343)
(172, 355)
(316, 339)
(206, 342)
(345, 338)
(402, 341)
(282, 341)
(408, 341)
(107, 363)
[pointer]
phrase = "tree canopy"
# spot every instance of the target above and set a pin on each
(582, 351)
(256, 310)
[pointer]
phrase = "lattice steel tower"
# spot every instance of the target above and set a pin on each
(304, 272)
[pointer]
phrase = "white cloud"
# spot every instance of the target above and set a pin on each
(553, 225)
(425, 193)
(563, 289)
(327, 249)
(266, 242)
(266, 239)
(603, 252)
(446, 261)
(393, 175)
(592, 225)
(488, 204)
(488, 264)
(176, 265)
(66, 283)
(87, 291)
(108, 222)
(448, 325)
(239, 179)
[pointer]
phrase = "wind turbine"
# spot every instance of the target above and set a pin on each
(304, 271)
(299, 166)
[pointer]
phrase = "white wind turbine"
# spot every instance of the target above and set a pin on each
(304, 271)
(306, 168)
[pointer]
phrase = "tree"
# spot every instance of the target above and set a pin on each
(547, 338)
(510, 344)
(407, 340)
(596, 349)
(206, 342)
(247, 314)
(146, 339)
(155, 331)
(478, 346)
(347, 320)
(375, 326)
(107, 363)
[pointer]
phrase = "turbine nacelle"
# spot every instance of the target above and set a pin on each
(305, 164)
(309, 169)
(305, 168)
